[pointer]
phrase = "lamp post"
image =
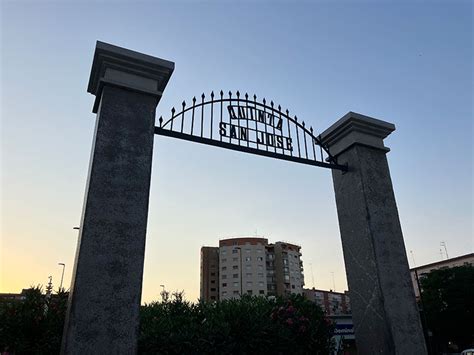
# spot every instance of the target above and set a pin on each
(62, 275)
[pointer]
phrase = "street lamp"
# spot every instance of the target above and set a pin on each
(62, 275)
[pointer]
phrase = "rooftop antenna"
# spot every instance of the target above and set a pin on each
(441, 253)
(443, 244)
(413, 257)
(312, 275)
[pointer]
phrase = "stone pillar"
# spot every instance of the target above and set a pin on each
(104, 300)
(384, 310)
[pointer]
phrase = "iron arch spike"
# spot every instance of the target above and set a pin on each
(249, 128)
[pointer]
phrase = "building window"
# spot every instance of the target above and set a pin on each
(259, 258)
(249, 292)
(236, 284)
(224, 268)
(224, 284)
(224, 260)
(224, 276)
(249, 283)
(247, 250)
(248, 267)
(262, 292)
(213, 266)
(235, 267)
(260, 283)
(235, 276)
(292, 286)
(248, 258)
(223, 252)
(213, 281)
(236, 292)
(213, 274)
(213, 289)
(287, 278)
(235, 251)
(224, 293)
(260, 274)
(260, 267)
(213, 298)
(259, 250)
(248, 274)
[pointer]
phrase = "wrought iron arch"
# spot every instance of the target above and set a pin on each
(246, 125)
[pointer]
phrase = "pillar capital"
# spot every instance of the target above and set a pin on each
(128, 69)
(354, 128)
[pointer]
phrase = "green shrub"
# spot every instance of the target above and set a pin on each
(252, 325)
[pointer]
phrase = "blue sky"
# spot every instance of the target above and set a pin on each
(409, 63)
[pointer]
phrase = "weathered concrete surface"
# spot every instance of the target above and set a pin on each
(385, 314)
(103, 310)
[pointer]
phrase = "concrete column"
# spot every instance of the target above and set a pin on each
(104, 300)
(384, 310)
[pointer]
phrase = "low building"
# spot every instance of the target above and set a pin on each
(420, 271)
(333, 303)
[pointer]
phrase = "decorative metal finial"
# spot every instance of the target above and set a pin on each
(264, 101)
(173, 111)
(254, 97)
(246, 96)
(221, 93)
(303, 123)
(161, 121)
(296, 118)
(311, 129)
(203, 96)
(184, 103)
(271, 103)
(279, 107)
(287, 112)
(194, 99)
(230, 93)
(212, 94)
(238, 94)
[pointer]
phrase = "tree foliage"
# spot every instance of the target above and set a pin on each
(448, 300)
(33, 325)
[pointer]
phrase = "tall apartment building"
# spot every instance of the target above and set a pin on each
(209, 273)
(251, 266)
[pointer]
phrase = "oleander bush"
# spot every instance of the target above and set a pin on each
(252, 325)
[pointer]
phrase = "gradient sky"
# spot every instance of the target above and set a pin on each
(409, 63)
